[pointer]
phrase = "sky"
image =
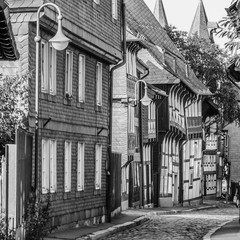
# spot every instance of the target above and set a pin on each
(180, 13)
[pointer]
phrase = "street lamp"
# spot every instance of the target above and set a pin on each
(59, 42)
(145, 100)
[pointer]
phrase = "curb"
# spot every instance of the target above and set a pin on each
(115, 229)
(212, 231)
(121, 227)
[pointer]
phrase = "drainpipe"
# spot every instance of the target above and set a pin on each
(141, 142)
(122, 63)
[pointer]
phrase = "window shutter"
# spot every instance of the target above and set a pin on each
(81, 77)
(80, 168)
(98, 165)
(53, 166)
(71, 73)
(66, 171)
(45, 166)
(99, 84)
(52, 70)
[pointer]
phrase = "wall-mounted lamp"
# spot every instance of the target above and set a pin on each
(145, 100)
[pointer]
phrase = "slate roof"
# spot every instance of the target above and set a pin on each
(143, 24)
(159, 13)
(8, 49)
(16, 4)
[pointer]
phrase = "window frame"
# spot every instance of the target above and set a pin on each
(114, 9)
(131, 119)
(68, 73)
(80, 166)
(81, 77)
(48, 68)
(67, 165)
(98, 166)
(49, 165)
(99, 84)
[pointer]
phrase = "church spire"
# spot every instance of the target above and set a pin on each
(160, 14)
(200, 23)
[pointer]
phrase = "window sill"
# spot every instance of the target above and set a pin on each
(114, 20)
(80, 194)
(48, 97)
(67, 101)
(97, 192)
(66, 195)
(81, 105)
(98, 108)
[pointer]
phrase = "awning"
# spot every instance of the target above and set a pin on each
(8, 50)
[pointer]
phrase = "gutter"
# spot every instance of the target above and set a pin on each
(122, 63)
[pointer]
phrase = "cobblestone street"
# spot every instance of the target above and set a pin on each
(192, 225)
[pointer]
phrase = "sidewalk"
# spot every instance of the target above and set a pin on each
(129, 218)
(228, 231)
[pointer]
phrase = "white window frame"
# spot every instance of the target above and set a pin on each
(48, 68)
(98, 166)
(80, 166)
(67, 165)
(114, 9)
(81, 77)
(99, 84)
(52, 69)
(68, 72)
(131, 119)
(49, 166)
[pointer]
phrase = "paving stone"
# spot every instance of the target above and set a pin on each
(179, 226)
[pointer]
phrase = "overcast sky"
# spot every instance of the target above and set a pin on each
(180, 13)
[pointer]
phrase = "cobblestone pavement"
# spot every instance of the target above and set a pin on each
(192, 225)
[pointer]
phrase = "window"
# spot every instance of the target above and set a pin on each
(131, 63)
(48, 68)
(131, 119)
(80, 167)
(67, 166)
(114, 9)
(68, 73)
(98, 166)
(49, 166)
(152, 118)
(99, 84)
(81, 78)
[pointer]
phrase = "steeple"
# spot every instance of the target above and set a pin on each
(160, 14)
(200, 23)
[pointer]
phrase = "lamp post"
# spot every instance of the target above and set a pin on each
(59, 42)
(145, 102)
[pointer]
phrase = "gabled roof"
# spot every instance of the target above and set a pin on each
(8, 49)
(142, 23)
(159, 13)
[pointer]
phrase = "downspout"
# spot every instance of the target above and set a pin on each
(122, 63)
(141, 141)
